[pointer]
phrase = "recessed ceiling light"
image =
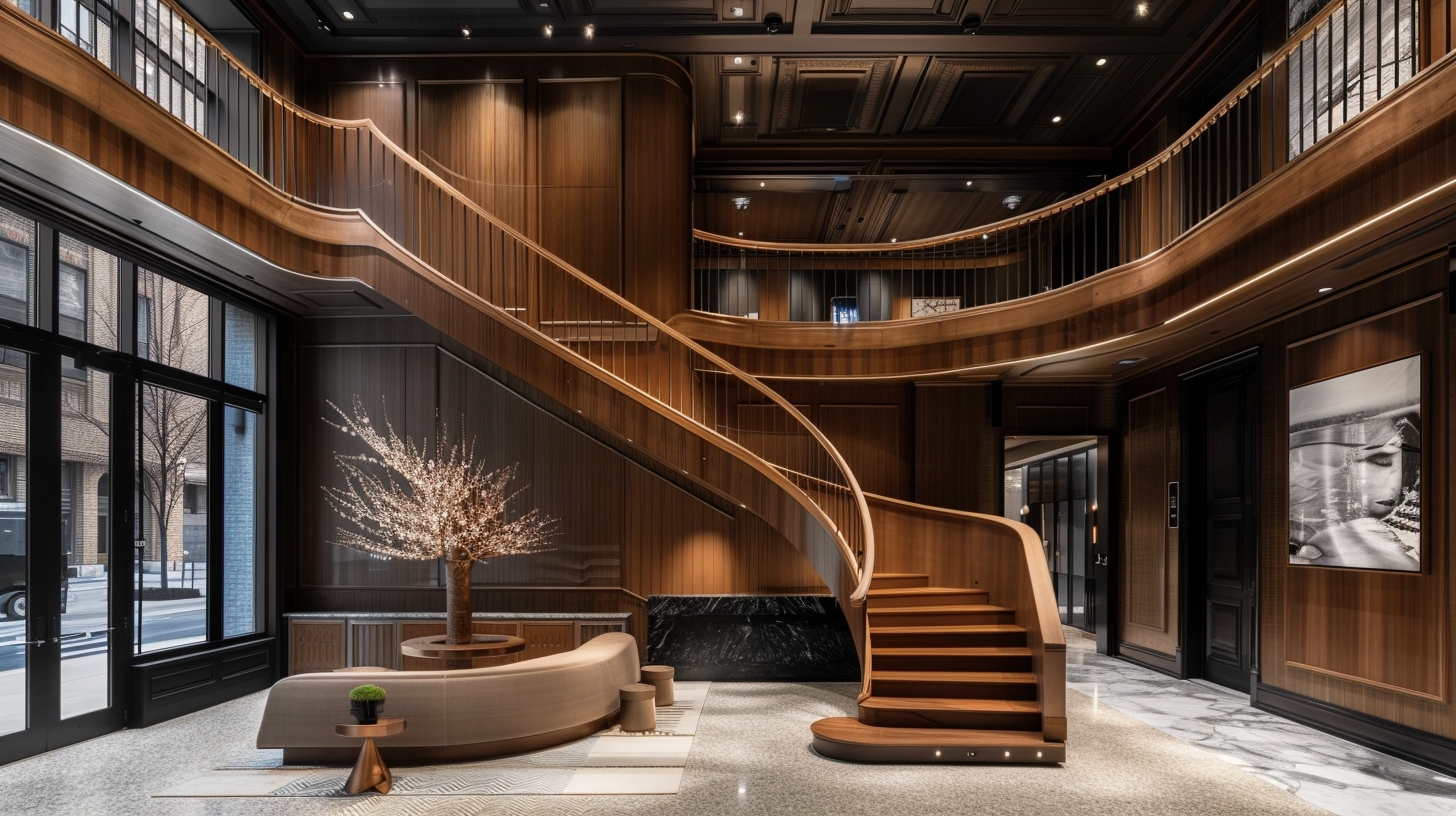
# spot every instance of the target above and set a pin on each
(348, 15)
(590, 31)
(1056, 119)
(1101, 62)
(465, 32)
(548, 29)
(738, 60)
(1325, 290)
(969, 183)
(763, 184)
(1142, 9)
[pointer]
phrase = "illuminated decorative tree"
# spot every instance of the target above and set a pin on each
(399, 502)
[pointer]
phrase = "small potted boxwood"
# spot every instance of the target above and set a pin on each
(364, 703)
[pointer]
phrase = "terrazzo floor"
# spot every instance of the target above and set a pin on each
(752, 755)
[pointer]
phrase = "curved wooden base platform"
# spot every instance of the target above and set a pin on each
(851, 740)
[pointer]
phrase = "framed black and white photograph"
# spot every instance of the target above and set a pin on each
(1355, 469)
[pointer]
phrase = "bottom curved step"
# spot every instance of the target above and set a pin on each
(851, 740)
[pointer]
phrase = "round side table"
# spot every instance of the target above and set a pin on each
(370, 770)
(462, 655)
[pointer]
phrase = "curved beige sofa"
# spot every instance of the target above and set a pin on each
(457, 714)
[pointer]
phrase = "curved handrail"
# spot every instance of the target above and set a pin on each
(517, 270)
(1125, 218)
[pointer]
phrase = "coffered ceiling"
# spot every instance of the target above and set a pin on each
(848, 120)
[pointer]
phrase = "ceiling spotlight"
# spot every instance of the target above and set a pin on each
(590, 31)
(969, 183)
(348, 15)
(763, 184)
(741, 202)
(738, 118)
(970, 24)
(736, 11)
(323, 26)
(1056, 119)
(1011, 201)
(738, 60)
(1142, 9)
(1325, 290)
(893, 240)
(773, 22)
(465, 32)
(985, 237)
(548, 29)
(1101, 62)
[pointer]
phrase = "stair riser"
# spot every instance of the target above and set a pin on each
(963, 691)
(936, 640)
(940, 618)
(907, 582)
(970, 596)
(954, 664)
(951, 719)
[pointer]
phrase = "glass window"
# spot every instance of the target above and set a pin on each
(86, 292)
(85, 613)
(242, 331)
(171, 60)
(29, 7)
(241, 563)
(87, 24)
(171, 591)
(172, 323)
(17, 268)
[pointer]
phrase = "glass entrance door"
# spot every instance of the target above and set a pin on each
(59, 656)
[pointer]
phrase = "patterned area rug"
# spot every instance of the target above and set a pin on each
(612, 762)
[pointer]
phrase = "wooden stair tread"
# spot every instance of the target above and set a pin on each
(951, 704)
(951, 651)
(938, 610)
(952, 677)
(898, 591)
(960, 629)
(899, 575)
(845, 729)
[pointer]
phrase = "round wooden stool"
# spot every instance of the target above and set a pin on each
(660, 678)
(638, 713)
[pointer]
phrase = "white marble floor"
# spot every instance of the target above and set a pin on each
(1338, 776)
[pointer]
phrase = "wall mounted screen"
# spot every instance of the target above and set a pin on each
(1355, 469)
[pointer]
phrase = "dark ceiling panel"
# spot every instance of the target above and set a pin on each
(830, 95)
(981, 100)
(995, 95)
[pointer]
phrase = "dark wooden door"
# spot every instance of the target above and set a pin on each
(1227, 522)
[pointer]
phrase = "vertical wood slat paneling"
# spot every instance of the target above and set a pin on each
(1384, 628)
(380, 102)
(1146, 562)
(658, 177)
(579, 149)
(868, 437)
(374, 644)
(956, 464)
(475, 138)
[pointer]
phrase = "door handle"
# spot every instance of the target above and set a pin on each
(40, 642)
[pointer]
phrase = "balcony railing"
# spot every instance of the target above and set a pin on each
(1345, 59)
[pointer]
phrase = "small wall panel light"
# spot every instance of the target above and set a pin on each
(590, 31)
(548, 29)
(894, 240)
(738, 118)
(735, 11)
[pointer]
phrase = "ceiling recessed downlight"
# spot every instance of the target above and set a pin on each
(348, 15)
(1325, 290)
(548, 29)
(590, 31)
(1101, 62)
(465, 32)
(1056, 119)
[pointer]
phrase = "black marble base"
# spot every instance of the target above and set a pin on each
(751, 638)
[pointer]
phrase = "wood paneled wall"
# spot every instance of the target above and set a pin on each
(1438, 29)
(478, 141)
(580, 150)
(1379, 644)
(657, 253)
(957, 461)
(872, 426)
(1149, 579)
(382, 102)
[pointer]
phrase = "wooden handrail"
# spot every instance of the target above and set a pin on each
(1166, 155)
